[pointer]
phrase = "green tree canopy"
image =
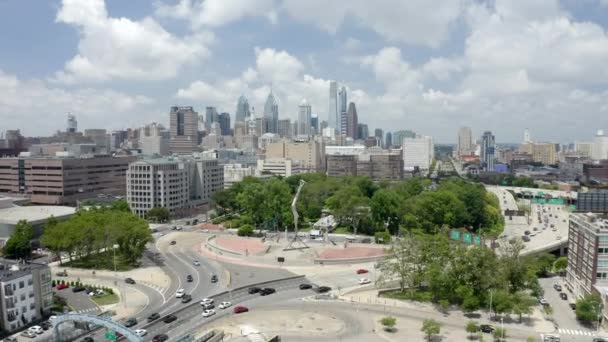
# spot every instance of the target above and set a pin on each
(158, 214)
(18, 245)
(430, 327)
(589, 308)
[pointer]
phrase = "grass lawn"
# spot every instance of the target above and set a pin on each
(416, 295)
(341, 230)
(106, 299)
(100, 261)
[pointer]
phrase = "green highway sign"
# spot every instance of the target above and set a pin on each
(110, 335)
(455, 235)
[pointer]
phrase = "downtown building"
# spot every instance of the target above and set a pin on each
(487, 151)
(309, 155)
(357, 160)
(179, 184)
(183, 130)
(418, 153)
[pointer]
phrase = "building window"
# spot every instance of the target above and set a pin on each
(601, 275)
(21, 284)
(30, 281)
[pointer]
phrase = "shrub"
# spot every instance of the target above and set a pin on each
(383, 237)
(246, 230)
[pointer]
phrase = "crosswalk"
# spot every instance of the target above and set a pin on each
(160, 289)
(89, 310)
(576, 332)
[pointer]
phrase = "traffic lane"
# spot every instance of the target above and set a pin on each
(78, 301)
(193, 309)
(242, 274)
(563, 315)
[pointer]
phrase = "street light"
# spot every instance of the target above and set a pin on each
(502, 328)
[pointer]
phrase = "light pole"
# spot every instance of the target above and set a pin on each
(502, 328)
(490, 304)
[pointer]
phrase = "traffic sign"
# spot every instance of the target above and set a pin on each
(110, 335)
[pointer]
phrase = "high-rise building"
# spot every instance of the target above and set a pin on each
(541, 152)
(418, 152)
(309, 154)
(600, 146)
(398, 136)
(271, 113)
(388, 141)
(527, 138)
(332, 113)
(72, 124)
(242, 109)
(379, 134)
(362, 131)
(211, 116)
(314, 124)
(154, 140)
(98, 136)
(304, 117)
(349, 121)
(117, 138)
(183, 123)
(342, 101)
(224, 122)
(465, 142)
(584, 148)
(375, 163)
(285, 128)
(488, 146)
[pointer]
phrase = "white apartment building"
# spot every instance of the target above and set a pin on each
(25, 294)
(278, 167)
(600, 146)
(418, 152)
(234, 173)
(154, 140)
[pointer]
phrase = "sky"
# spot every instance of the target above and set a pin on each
(426, 65)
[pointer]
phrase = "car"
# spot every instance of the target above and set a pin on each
(572, 306)
(551, 338)
(364, 281)
(174, 228)
(253, 290)
(267, 291)
(196, 263)
(131, 322)
(535, 229)
(160, 338)
(206, 301)
(322, 289)
(88, 339)
(552, 226)
(64, 273)
(305, 286)
(240, 309)
(141, 332)
(214, 278)
(362, 271)
(62, 286)
(173, 242)
(189, 278)
(169, 319)
(486, 328)
(178, 228)
(180, 293)
(543, 302)
(208, 313)
(153, 317)
(600, 339)
(186, 299)
(208, 306)
(52, 318)
(527, 232)
(563, 296)
(36, 329)
(46, 325)
(130, 281)
(28, 334)
(9, 339)
(78, 289)
(525, 238)
(557, 287)
(225, 305)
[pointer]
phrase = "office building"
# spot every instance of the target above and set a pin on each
(72, 125)
(271, 114)
(278, 167)
(379, 134)
(375, 163)
(596, 172)
(183, 123)
(118, 138)
(310, 154)
(154, 140)
(600, 146)
(314, 124)
(418, 152)
(99, 137)
(304, 117)
(488, 147)
(349, 121)
(342, 101)
(595, 201)
(584, 148)
(465, 142)
(242, 110)
(224, 123)
(285, 128)
(179, 184)
(211, 116)
(388, 141)
(63, 180)
(398, 136)
(26, 295)
(333, 114)
(362, 131)
(235, 173)
(541, 152)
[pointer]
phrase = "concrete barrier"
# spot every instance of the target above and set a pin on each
(349, 260)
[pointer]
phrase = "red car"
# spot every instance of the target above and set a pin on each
(361, 271)
(62, 286)
(240, 309)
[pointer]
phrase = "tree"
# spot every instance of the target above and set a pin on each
(245, 230)
(500, 334)
(385, 209)
(589, 308)
(472, 327)
(18, 245)
(522, 303)
(501, 302)
(348, 205)
(120, 205)
(544, 263)
(388, 323)
(430, 327)
(158, 214)
(560, 264)
(382, 237)
(400, 263)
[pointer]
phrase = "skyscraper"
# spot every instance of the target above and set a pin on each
(271, 113)
(379, 135)
(465, 142)
(527, 138)
(397, 137)
(362, 131)
(242, 109)
(72, 124)
(304, 116)
(488, 146)
(388, 141)
(224, 121)
(342, 101)
(314, 124)
(333, 114)
(350, 121)
(183, 124)
(211, 116)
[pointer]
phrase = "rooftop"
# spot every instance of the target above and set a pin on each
(12, 214)
(11, 269)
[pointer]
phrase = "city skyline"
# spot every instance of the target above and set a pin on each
(418, 72)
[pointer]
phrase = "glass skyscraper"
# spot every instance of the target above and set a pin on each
(271, 113)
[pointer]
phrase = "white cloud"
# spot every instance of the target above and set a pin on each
(215, 13)
(45, 107)
(121, 48)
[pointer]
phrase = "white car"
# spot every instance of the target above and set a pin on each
(208, 313)
(52, 318)
(36, 329)
(196, 263)
(224, 305)
(206, 301)
(141, 332)
(543, 301)
(180, 293)
(364, 281)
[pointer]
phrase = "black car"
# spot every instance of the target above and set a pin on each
(557, 287)
(572, 306)
(323, 289)
(173, 242)
(160, 338)
(88, 339)
(526, 238)
(46, 325)
(563, 296)
(186, 298)
(131, 322)
(267, 291)
(78, 289)
(305, 286)
(189, 278)
(253, 290)
(486, 328)
(600, 339)
(130, 281)
(153, 317)
(214, 278)
(170, 318)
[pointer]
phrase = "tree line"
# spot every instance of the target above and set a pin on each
(363, 206)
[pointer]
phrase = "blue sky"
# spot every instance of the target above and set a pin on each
(429, 66)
